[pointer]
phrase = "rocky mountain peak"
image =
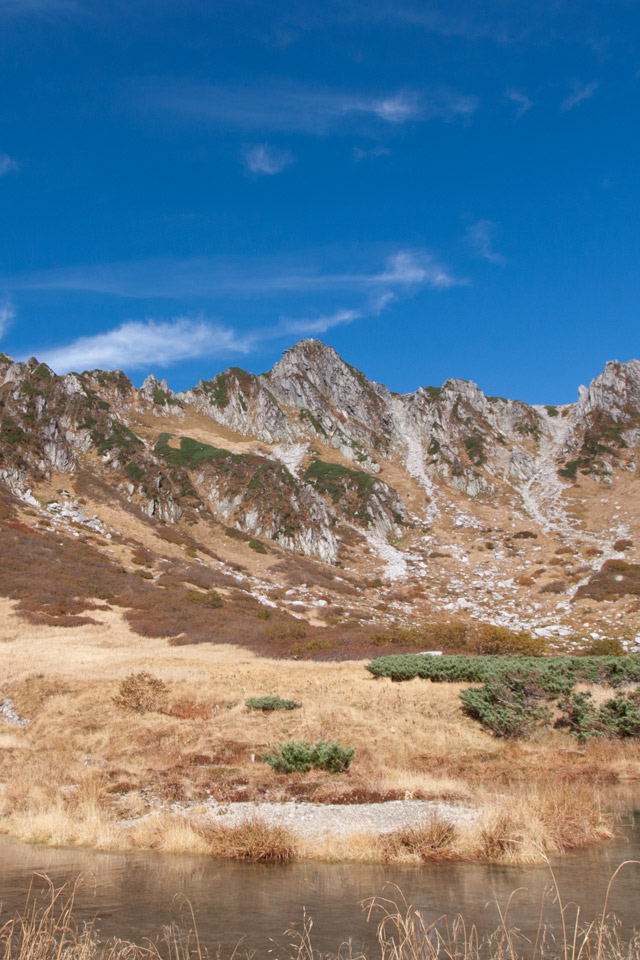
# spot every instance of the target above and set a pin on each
(615, 390)
(487, 504)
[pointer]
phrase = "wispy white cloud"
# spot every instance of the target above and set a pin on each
(480, 237)
(241, 279)
(305, 326)
(367, 153)
(522, 101)
(7, 164)
(263, 160)
(405, 273)
(140, 344)
(416, 268)
(292, 107)
(579, 92)
(501, 21)
(144, 344)
(397, 108)
(7, 315)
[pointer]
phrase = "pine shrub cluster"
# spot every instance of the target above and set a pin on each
(299, 756)
(267, 704)
(520, 694)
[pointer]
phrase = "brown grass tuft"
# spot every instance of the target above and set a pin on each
(255, 840)
(432, 841)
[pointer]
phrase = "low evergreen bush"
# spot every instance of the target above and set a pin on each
(520, 693)
(271, 703)
(511, 707)
(616, 717)
(555, 673)
(299, 756)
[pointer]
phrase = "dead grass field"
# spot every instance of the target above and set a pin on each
(85, 771)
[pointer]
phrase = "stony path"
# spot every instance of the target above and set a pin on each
(334, 818)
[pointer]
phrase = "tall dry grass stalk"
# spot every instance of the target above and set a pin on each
(49, 932)
(404, 934)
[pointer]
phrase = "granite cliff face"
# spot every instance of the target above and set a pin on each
(317, 460)
(449, 437)
(451, 432)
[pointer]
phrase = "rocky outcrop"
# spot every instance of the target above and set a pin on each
(239, 401)
(604, 426)
(331, 433)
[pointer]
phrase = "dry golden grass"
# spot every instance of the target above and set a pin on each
(88, 771)
(255, 840)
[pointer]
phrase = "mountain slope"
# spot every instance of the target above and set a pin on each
(447, 502)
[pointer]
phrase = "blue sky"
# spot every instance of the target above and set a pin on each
(436, 189)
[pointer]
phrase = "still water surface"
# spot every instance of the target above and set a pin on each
(132, 895)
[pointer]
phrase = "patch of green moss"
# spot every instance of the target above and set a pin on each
(331, 479)
(258, 546)
(602, 438)
(475, 450)
(191, 453)
(120, 437)
(113, 378)
(10, 432)
(317, 426)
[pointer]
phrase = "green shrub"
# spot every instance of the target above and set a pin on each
(258, 546)
(617, 717)
(621, 715)
(579, 716)
(558, 674)
(271, 703)
(299, 756)
(511, 707)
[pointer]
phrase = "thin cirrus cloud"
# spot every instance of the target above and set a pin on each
(521, 100)
(290, 107)
(579, 92)
(138, 344)
(307, 326)
(262, 160)
(7, 316)
(369, 153)
(480, 236)
(240, 279)
(7, 164)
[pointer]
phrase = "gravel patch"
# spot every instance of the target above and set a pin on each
(335, 819)
(9, 715)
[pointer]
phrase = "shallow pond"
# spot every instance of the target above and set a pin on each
(132, 895)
